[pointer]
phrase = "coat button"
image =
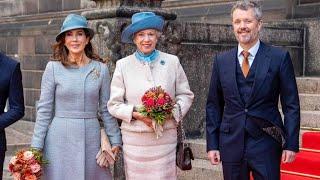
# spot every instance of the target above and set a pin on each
(245, 110)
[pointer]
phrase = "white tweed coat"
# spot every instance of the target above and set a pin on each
(132, 78)
(145, 156)
(66, 127)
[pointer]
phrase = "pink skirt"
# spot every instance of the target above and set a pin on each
(146, 157)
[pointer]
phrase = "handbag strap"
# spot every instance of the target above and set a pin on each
(180, 130)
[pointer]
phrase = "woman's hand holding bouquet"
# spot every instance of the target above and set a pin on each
(157, 106)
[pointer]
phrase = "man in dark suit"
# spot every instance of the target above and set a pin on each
(244, 126)
(10, 88)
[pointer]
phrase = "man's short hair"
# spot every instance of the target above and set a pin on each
(246, 5)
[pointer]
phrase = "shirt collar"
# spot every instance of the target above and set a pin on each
(253, 50)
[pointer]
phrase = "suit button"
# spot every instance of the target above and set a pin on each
(245, 110)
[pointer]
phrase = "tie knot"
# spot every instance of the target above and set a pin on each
(245, 54)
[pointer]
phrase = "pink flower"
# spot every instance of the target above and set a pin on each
(16, 176)
(13, 160)
(31, 177)
(27, 155)
(35, 168)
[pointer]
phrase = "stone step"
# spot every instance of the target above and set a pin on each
(199, 148)
(6, 173)
(19, 136)
(310, 119)
(201, 169)
(308, 85)
(309, 102)
(25, 127)
(13, 148)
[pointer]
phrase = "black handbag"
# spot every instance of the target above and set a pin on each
(184, 153)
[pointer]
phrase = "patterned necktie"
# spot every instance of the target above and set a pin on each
(245, 63)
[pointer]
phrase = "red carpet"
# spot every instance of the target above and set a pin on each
(307, 163)
(295, 177)
(311, 140)
(285, 176)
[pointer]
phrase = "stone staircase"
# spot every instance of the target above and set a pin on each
(309, 92)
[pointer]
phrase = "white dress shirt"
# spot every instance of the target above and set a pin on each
(253, 52)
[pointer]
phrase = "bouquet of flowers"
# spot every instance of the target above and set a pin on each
(26, 165)
(157, 105)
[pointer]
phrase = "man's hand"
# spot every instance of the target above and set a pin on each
(214, 157)
(288, 156)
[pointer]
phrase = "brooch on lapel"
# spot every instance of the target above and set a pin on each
(162, 62)
(95, 73)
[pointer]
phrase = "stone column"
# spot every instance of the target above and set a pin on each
(108, 19)
(290, 4)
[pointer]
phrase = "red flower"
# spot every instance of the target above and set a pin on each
(161, 101)
(149, 102)
(157, 104)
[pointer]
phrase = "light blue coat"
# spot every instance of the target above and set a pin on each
(67, 128)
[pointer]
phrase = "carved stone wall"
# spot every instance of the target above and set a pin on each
(195, 44)
(218, 11)
(28, 28)
(305, 9)
(29, 39)
(311, 66)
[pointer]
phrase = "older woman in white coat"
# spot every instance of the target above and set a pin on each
(74, 88)
(145, 155)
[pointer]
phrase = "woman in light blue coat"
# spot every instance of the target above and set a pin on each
(74, 89)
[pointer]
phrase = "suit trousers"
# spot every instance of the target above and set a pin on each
(261, 159)
(2, 155)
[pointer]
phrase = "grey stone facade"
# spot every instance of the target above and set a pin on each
(311, 66)
(29, 40)
(31, 7)
(28, 37)
(218, 11)
(28, 29)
